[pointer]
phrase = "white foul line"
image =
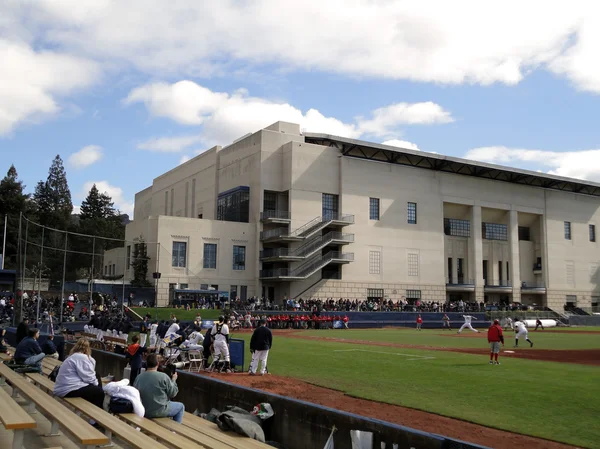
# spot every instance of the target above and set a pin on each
(416, 357)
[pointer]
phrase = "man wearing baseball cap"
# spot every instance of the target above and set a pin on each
(495, 337)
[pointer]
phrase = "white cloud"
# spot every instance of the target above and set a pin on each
(402, 144)
(123, 204)
(467, 41)
(225, 117)
(184, 159)
(169, 144)
(583, 164)
(31, 81)
(385, 121)
(87, 156)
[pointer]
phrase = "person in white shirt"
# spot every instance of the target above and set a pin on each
(194, 341)
(220, 335)
(172, 330)
(521, 332)
(153, 338)
(467, 324)
(77, 376)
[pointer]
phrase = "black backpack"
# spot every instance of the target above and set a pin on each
(120, 405)
(54, 374)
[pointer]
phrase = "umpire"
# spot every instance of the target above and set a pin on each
(260, 344)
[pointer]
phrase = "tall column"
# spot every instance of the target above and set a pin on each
(476, 252)
(513, 255)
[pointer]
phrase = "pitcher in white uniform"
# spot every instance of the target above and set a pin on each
(521, 332)
(467, 323)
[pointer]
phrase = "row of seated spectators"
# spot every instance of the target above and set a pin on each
(377, 305)
(149, 396)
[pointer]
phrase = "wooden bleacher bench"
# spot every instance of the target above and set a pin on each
(211, 429)
(160, 433)
(58, 414)
(89, 335)
(14, 418)
(110, 422)
(193, 434)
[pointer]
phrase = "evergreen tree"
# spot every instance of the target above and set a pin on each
(53, 207)
(13, 201)
(53, 197)
(139, 262)
(98, 218)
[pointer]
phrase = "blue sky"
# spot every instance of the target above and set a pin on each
(124, 91)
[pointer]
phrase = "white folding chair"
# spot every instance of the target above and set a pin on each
(195, 359)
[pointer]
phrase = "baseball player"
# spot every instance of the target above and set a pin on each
(521, 331)
(220, 334)
(446, 322)
(495, 337)
(419, 322)
(467, 323)
(194, 341)
(538, 323)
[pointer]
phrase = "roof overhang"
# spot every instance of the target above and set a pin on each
(431, 161)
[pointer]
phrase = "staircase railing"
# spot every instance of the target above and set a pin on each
(309, 267)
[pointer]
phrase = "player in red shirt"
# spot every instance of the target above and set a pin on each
(495, 337)
(345, 320)
(419, 322)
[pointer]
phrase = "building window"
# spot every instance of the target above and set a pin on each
(234, 205)
(233, 292)
(524, 233)
(330, 206)
(179, 255)
(592, 233)
(172, 201)
(239, 257)
(374, 293)
(449, 270)
(594, 273)
(203, 286)
(243, 292)
(494, 231)
(567, 230)
(460, 270)
(457, 228)
(507, 272)
(413, 295)
(210, 255)
(128, 257)
(570, 273)
(571, 300)
(412, 213)
(105, 270)
(184, 286)
(413, 264)
(485, 272)
(374, 262)
(595, 301)
(500, 271)
(373, 208)
(270, 201)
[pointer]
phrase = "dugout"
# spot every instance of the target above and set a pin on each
(8, 279)
(182, 297)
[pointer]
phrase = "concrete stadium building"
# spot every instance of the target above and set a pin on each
(285, 214)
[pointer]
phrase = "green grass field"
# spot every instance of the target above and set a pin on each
(555, 401)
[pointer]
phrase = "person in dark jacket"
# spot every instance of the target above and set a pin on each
(49, 348)
(260, 344)
(22, 330)
(206, 344)
(134, 355)
(28, 352)
(3, 347)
